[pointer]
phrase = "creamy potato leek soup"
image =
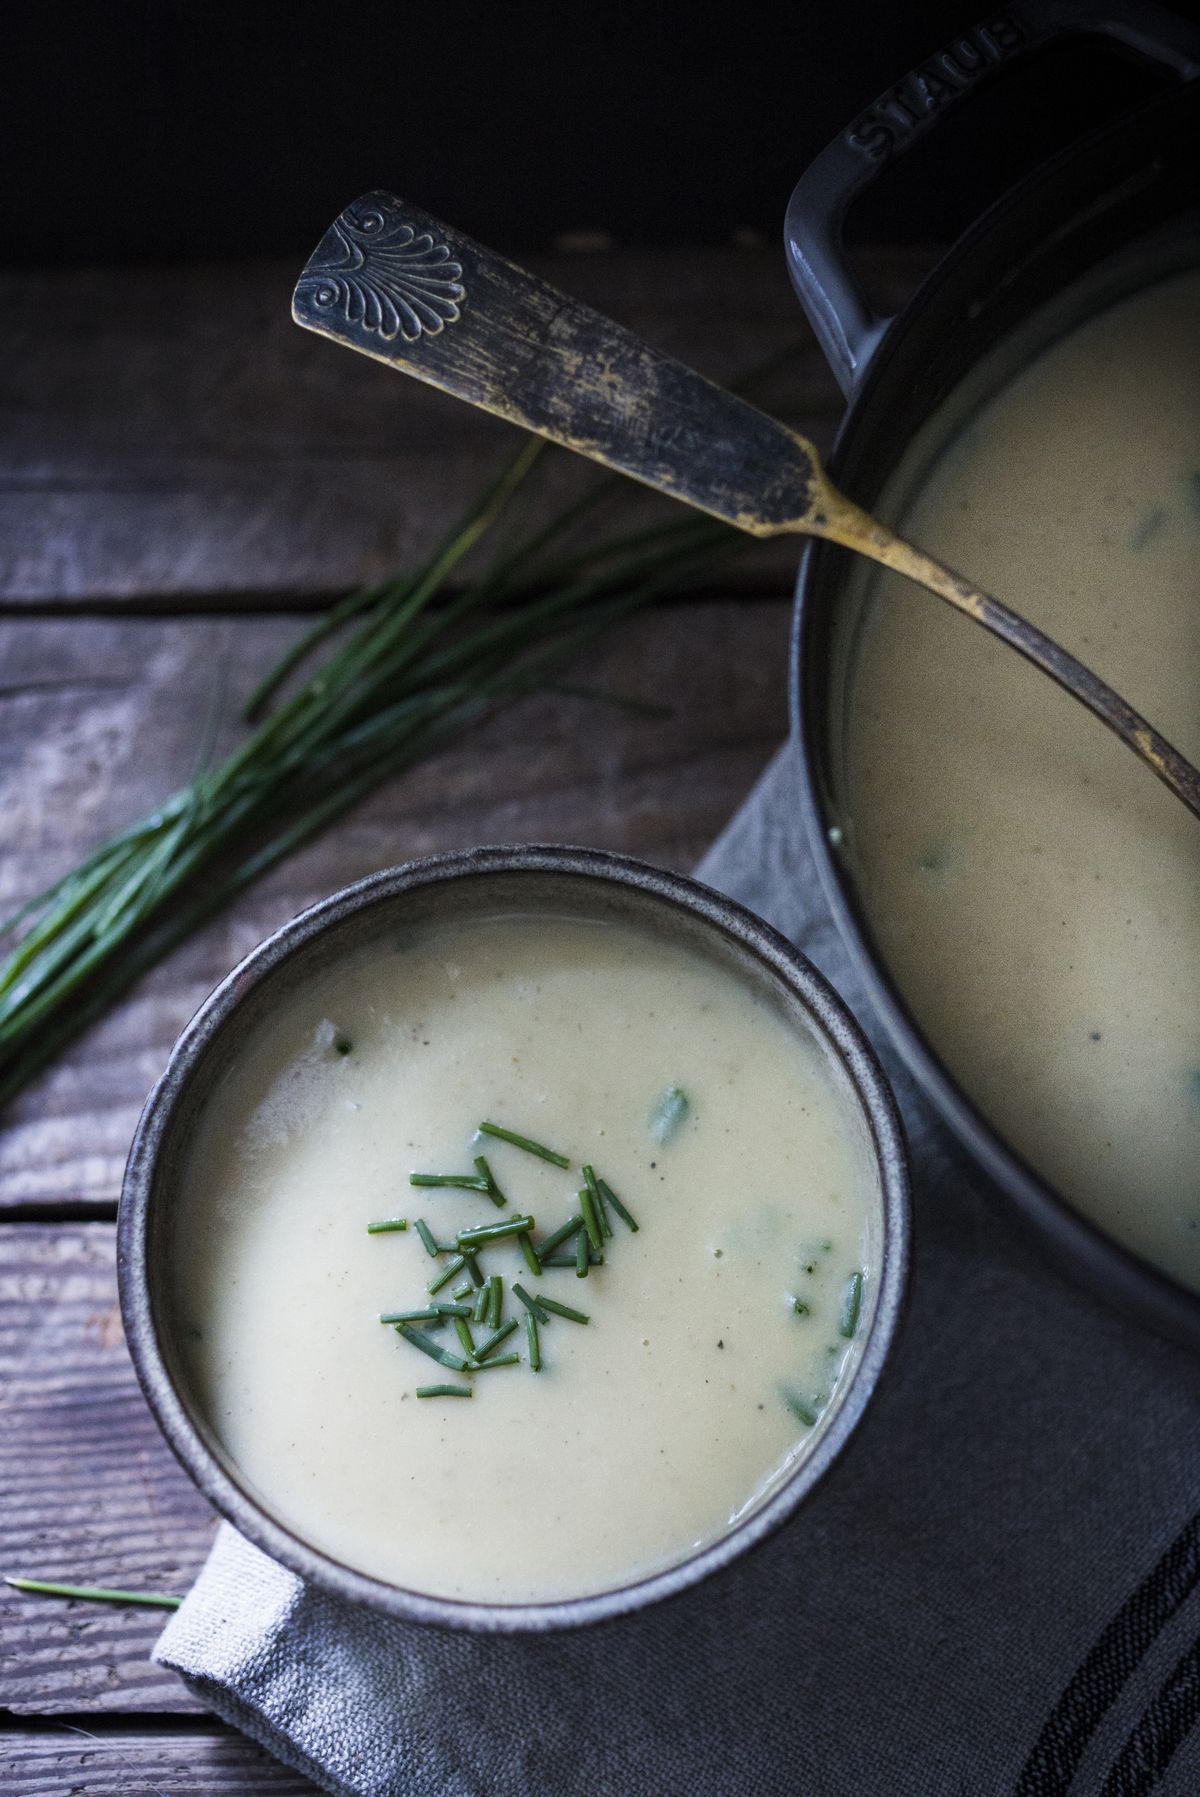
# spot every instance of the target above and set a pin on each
(521, 1257)
(1034, 890)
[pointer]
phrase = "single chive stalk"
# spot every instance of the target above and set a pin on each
(466, 1339)
(473, 1269)
(495, 1338)
(564, 1234)
(591, 1222)
(485, 1366)
(531, 1337)
(510, 1135)
(534, 1306)
(495, 1301)
(568, 1260)
(669, 1112)
(426, 1343)
(443, 1391)
(804, 1411)
(463, 1291)
(464, 1182)
(611, 1198)
(446, 1275)
(452, 1309)
(530, 1252)
(492, 1232)
(386, 1224)
(561, 1310)
(485, 1173)
(418, 1338)
(100, 1594)
(409, 1316)
(581, 1255)
(483, 1298)
(426, 1234)
(597, 1196)
(852, 1296)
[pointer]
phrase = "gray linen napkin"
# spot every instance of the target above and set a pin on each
(996, 1590)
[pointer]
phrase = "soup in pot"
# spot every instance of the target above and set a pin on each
(1034, 891)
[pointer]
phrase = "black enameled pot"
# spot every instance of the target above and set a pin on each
(1123, 184)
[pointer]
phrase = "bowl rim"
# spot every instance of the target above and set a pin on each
(216, 1017)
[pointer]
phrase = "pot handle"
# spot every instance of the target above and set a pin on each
(848, 329)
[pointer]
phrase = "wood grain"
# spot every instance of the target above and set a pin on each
(101, 719)
(168, 437)
(75, 1762)
(88, 1488)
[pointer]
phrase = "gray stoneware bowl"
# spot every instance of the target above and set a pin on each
(487, 881)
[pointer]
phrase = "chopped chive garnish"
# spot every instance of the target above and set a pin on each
(419, 1339)
(533, 1305)
(483, 1298)
(593, 1186)
(851, 1304)
(610, 1197)
(531, 1337)
(495, 1301)
(485, 1366)
(568, 1260)
(510, 1135)
(591, 1222)
(454, 1309)
(464, 1290)
(800, 1407)
(492, 1232)
(426, 1234)
(530, 1253)
(466, 1339)
(446, 1247)
(409, 1316)
(581, 1254)
(669, 1112)
(495, 1338)
(560, 1235)
(443, 1391)
(485, 1173)
(561, 1310)
(446, 1275)
(465, 1182)
(385, 1224)
(473, 1270)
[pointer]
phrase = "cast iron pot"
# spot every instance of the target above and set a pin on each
(483, 881)
(1127, 182)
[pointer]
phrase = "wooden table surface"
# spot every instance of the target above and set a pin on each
(181, 473)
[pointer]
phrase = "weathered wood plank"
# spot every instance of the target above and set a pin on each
(100, 719)
(71, 1762)
(88, 1488)
(169, 436)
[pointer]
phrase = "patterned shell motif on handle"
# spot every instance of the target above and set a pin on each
(385, 276)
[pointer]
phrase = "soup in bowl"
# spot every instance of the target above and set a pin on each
(514, 1238)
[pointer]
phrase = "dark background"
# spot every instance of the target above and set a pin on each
(180, 129)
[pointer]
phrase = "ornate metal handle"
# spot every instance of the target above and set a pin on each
(396, 284)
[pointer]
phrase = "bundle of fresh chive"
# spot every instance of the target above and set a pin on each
(416, 666)
(480, 1300)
